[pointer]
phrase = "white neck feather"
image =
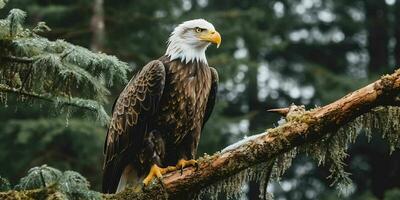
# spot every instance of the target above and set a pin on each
(186, 50)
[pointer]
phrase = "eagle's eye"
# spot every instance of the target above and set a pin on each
(198, 29)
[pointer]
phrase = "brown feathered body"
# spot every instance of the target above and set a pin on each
(157, 119)
(182, 108)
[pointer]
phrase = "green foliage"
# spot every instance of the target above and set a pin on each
(76, 186)
(69, 183)
(3, 3)
(39, 177)
(392, 194)
(57, 71)
(366, 196)
(15, 20)
(72, 144)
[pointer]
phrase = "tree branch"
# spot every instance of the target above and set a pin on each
(49, 98)
(305, 127)
(302, 127)
(17, 59)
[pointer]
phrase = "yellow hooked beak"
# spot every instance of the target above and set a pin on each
(211, 36)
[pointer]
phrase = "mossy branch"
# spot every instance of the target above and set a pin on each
(301, 129)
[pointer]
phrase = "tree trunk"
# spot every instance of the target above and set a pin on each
(397, 33)
(97, 26)
(377, 35)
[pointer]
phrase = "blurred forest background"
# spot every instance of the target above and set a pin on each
(274, 53)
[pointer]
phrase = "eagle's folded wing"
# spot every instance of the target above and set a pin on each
(212, 96)
(136, 103)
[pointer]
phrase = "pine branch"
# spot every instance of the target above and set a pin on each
(55, 71)
(17, 59)
(85, 104)
(6, 89)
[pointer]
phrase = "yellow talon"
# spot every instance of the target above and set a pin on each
(156, 171)
(182, 163)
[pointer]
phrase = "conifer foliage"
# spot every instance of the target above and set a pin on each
(48, 182)
(58, 72)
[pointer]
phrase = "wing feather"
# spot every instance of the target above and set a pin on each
(136, 103)
(212, 96)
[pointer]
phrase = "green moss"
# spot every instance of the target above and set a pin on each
(130, 193)
(388, 81)
(44, 193)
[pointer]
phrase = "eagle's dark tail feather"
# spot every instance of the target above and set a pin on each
(115, 181)
(110, 179)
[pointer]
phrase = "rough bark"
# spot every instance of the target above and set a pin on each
(308, 127)
(301, 128)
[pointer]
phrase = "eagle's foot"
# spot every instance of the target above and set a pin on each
(182, 163)
(157, 172)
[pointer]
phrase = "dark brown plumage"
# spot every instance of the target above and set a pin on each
(158, 118)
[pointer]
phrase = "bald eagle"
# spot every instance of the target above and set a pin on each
(158, 117)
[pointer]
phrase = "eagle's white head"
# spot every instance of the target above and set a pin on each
(189, 41)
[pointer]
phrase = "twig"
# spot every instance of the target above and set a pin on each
(17, 59)
(281, 111)
(26, 79)
(65, 101)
